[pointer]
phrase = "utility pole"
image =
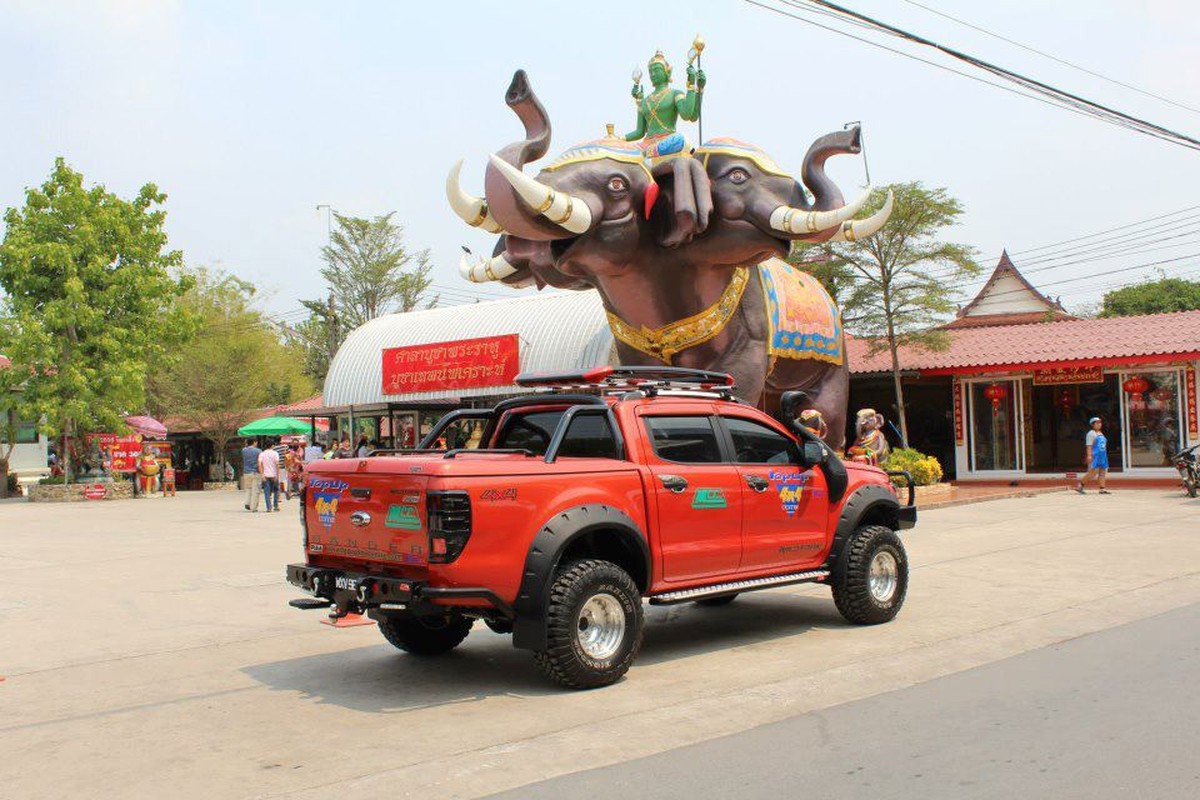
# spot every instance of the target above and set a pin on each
(331, 322)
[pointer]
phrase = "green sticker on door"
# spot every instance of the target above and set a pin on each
(709, 498)
(403, 517)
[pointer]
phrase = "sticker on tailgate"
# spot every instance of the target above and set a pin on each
(404, 518)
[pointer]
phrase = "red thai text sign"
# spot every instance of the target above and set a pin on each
(126, 451)
(959, 436)
(1190, 399)
(1053, 377)
(464, 364)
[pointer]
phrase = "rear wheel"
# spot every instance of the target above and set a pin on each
(426, 636)
(716, 602)
(870, 586)
(593, 625)
(1190, 485)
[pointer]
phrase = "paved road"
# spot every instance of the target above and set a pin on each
(149, 651)
(1111, 715)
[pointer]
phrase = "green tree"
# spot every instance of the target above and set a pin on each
(1152, 297)
(370, 272)
(91, 304)
(8, 417)
(894, 287)
(235, 364)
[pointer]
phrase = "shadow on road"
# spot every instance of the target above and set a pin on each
(380, 679)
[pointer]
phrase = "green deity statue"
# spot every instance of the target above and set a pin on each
(660, 111)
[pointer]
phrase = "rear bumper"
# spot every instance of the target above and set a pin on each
(359, 593)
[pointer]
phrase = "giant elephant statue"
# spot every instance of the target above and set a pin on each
(687, 259)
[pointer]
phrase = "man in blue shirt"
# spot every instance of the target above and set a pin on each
(251, 480)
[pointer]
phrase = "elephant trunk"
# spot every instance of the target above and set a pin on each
(504, 202)
(826, 194)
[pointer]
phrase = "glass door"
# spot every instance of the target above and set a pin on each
(1152, 417)
(995, 426)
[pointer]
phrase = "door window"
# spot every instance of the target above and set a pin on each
(1154, 429)
(994, 425)
(684, 440)
(754, 443)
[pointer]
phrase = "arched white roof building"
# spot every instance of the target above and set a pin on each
(559, 331)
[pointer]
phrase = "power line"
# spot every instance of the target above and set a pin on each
(1056, 59)
(1041, 91)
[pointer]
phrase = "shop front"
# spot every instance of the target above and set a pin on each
(1034, 422)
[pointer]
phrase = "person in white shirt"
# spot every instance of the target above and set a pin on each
(268, 468)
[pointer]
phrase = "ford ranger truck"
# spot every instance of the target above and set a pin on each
(555, 515)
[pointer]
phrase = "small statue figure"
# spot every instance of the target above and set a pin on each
(870, 445)
(812, 419)
(659, 113)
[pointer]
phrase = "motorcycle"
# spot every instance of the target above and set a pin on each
(1189, 469)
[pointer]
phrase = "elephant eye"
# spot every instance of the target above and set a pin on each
(739, 175)
(617, 184)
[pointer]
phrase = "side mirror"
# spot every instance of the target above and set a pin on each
(815, 453)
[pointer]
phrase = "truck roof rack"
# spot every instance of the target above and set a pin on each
(648, 380)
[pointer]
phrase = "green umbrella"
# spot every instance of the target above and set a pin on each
(275, 426)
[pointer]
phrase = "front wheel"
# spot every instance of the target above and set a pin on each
(426, 636)
(593, 625)
(870, 586)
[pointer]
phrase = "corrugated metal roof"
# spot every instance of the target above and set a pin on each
(561, 331)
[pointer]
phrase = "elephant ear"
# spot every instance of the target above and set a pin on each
(685, 201)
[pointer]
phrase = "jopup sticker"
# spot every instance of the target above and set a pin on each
(790, 486)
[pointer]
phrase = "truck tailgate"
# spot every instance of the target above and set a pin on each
(366, 518)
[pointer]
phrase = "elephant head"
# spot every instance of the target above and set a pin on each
(759, 209)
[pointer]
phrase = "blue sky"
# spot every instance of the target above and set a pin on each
(249, 115)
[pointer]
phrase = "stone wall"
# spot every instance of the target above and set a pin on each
(221, 486)
(73, 492)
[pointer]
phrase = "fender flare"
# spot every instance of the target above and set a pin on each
(546, 552)
(861, 501)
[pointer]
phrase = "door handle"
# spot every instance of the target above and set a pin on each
(757, 483)
(673, 482)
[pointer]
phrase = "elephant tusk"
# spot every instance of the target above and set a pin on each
(472, 210)
(565, 211)
(857, 229)
(798, 221)
(485, 269)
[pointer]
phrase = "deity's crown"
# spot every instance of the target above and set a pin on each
(659, 58)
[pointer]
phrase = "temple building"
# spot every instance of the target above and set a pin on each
(1011, 396)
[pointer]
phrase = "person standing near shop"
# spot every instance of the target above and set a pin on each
(251, 480)
(268, 466)
(1097, 455)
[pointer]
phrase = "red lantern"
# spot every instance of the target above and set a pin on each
(996, 392)
(1135, 385)
(1066, 400)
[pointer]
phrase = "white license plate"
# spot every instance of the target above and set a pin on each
(342, 582)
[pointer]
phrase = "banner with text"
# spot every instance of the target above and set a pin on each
(1055, 377)
(464, 364)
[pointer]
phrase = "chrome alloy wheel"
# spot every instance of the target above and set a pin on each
(601, 627)
(883, 576)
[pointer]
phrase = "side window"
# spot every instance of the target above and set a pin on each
(589, 436)
(686, 440)
(757, 444)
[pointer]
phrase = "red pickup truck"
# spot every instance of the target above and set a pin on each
(552, 516)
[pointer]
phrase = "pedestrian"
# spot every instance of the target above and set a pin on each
(363, 448)
(268, 466)
(294, 463)
(251, 480)
(314, 452)
(344, 449)
(1097, 455)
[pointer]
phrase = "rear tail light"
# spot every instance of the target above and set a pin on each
(449, 515)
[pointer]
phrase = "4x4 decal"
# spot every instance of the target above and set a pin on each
(790, 486)
(709, 498)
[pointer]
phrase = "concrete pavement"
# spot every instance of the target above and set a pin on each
(149, 649)
(1112, 715)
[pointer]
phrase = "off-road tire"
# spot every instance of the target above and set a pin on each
(717, 602)
(425, 636)
(575, 584)
(851, 580)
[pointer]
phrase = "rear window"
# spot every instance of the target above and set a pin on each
(686, 440)
(531, 431)
(589, 436)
